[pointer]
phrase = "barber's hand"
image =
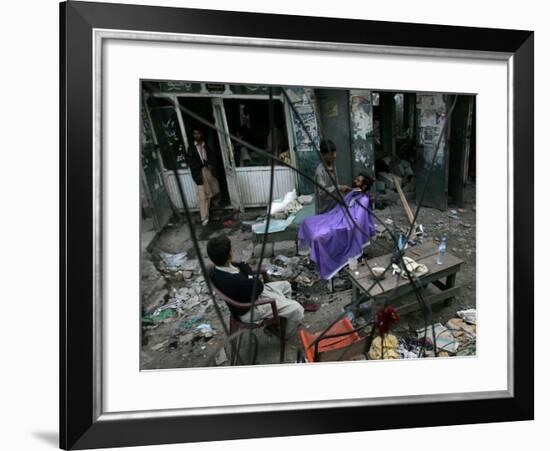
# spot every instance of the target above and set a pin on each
(344, 188)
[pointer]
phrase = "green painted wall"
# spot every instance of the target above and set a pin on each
(152, 175)
(431, 114)
(335, 125)
(307, 159)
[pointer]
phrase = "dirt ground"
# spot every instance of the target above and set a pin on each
(191, 334)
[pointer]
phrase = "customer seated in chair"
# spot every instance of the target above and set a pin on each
(342, 232)
(236, 281)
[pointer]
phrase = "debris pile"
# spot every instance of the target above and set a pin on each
(298, 270)
(176, 266)
(185, 313)
(456, 337)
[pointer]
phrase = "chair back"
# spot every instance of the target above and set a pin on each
(228, 300)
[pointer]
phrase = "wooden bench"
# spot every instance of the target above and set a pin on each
(425, 253)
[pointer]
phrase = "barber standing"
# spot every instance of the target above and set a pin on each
(207, 185)
(327, 178)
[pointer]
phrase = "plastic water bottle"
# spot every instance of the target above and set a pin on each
(349, 315)
(442, 250)
(352, 263)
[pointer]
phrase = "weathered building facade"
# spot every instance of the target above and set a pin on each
(372, 131)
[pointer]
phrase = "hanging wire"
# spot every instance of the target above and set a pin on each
(338, 199)
(268, 219)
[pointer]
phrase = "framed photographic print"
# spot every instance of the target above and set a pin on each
(284, 225)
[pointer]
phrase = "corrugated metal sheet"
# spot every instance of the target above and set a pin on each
(254, 184)
(189, 188)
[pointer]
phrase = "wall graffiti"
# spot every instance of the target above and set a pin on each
(431, 119)
(362, 131)
(307, 159)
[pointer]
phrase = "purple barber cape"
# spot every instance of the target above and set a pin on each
(333, 238)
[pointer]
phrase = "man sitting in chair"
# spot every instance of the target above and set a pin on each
(342, 232)
(236, 281)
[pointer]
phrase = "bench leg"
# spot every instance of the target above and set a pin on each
(331, 285)
(449, 284)
(354, 292)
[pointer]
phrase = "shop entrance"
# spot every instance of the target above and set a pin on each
(249, 119)
(203, 108)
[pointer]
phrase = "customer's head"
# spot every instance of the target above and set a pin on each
(328, 151)
(362, 181)
(219, 250)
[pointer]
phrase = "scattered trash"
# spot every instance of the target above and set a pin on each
(281, 205)
(293, 207)
(445, 340)
(416, 269)
(405, 353)
(187, 318)
(468, 349)
(189, 323)
(453, 214)
(173, 261)
(278, 271)
(384, 347)
(283, 259)
(303, 280)
(468, 315)
(461, 330)
(305, 199)
(205, 331)
(157, 317)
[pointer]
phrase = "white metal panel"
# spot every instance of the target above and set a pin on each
(188, 185)
(254, 184)
(227, 155)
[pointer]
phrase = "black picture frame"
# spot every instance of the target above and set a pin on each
(79, 425)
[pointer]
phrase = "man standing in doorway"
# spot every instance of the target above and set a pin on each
(327, 178)
(207, 185)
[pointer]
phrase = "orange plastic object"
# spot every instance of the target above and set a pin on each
(327, 344)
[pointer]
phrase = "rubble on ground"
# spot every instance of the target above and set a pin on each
(181, 327)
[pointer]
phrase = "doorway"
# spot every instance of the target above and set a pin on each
(249, 119)
(203, 107)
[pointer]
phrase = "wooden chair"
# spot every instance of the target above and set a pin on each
(341, 342)
(236, 324)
